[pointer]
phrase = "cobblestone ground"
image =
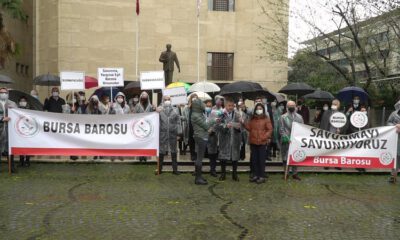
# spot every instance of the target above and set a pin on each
(122, 201)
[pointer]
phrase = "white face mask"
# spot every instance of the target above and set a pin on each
(334, 107)
(240, 103)
(326, 108)
(120, 100)
(35, 96)
(273, 104)
(22, 104)
(356, 101)
(135, 100)
(55, 94)
(259, 112)
(167, 103)
(4, 96)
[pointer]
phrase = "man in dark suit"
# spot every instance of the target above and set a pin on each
(169, 59)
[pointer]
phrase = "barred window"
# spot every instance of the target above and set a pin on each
(221, 5)
(220, 66)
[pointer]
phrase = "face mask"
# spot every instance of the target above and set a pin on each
(135, 100)
(240, 103)
(35, 96)
(325, 108)
(291, 109)
(265, 101)
(22, 104)
(120, 100)
(55, 94)
(144, 100)
(4, 96)
(281, 108)
(356, 101)
(208, 109)
(273, 104)
(259, 111)
(74, 100)
(334, 107)
(82, 98)
(167, 103)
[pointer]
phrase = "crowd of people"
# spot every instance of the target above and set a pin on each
(219, 128)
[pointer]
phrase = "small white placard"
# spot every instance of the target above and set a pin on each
(359, 119)
(152, 80)
(72, 80)
(110, 77)
(178, 95)
(338, 120)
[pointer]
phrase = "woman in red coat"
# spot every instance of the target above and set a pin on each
(260, 131)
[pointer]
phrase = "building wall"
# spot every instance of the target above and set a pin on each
(22, 34)
(84, 35)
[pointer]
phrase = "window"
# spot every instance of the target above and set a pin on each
(220, 66)
(16, 67)
(221, 5)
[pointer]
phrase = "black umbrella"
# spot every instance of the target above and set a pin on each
(297, 89)
(33, 103)
(132, 88)
(247, 89)
(47, 80)
(319, 95)
(5, 79)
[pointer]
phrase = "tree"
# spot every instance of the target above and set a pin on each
(351, 43)
(308, 68)
(8, 46)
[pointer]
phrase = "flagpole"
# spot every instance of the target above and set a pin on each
(137, 45)
(198, 47)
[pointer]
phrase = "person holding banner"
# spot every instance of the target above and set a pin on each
(24, 160)
(93, 106)
(260, 131)
(170, 128)
(394, 120)
(120, 105)
(105, 105)
(5, 105)
(144, 106)
(201, 129)
(285, 130)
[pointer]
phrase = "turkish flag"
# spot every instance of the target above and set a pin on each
(137, 7)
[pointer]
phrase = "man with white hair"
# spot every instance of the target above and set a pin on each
(285, 129)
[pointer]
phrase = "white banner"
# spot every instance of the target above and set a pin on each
(72, 80)
(110, 77)
(152, 80)
(43, 133)
(178, 95)
(369, 148)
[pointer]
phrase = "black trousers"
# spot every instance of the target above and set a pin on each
(258, 160)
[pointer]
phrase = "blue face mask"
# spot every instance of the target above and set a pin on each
(208, 110)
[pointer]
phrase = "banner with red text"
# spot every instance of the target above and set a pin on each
(44, 133)
(369, 148)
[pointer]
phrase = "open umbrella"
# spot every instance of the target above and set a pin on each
(204, 87)
(319, 95)
(297, 89)
(90, 82)
(47, 80)
(249, 90)
(132, 88)
(179, 84)
(5, 79)
(106, 91)
(346, 94)
(33, 103)
(202, 95)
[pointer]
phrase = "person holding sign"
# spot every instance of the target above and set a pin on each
(5, 105)
(170, 128)
(285, 130)
(394, 120)
(169, 59)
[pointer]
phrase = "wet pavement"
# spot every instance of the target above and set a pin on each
(126, 201)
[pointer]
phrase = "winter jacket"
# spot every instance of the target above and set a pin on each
(199, 121)
(260, 130)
